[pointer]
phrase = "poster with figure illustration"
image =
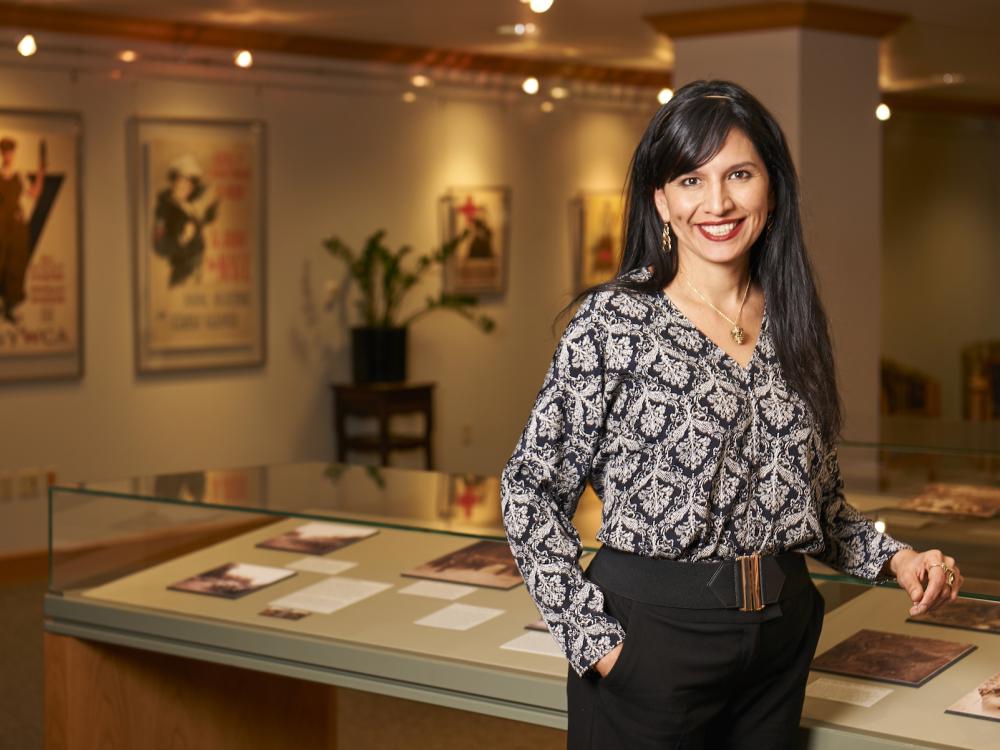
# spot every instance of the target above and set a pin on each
(40, 246)
(199, 243)
(479, 264)
(599, 227)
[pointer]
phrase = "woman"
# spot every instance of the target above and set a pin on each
(696, 392)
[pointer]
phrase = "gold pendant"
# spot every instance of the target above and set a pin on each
(739, 335)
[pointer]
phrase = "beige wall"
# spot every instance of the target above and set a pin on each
(337, 163)
(941, 244)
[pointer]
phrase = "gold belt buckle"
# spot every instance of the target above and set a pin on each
(750, 582)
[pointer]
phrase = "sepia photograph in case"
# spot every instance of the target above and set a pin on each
(981, 703)
(318, 538)
(891, 657)
(538, 624)
(598, 216)
(479, 263)
(41, 331)
(485, 563)
(284, 613)
(966, 614)
(975, 501)
(232, 580)
(197, 195)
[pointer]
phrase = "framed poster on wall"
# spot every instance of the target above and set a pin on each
(197, 190)
(479, 264)
(598, 225)
(41, 247)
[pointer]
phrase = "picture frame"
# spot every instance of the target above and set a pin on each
(479, 264)
(596, 218)
(41, 246)
(197, 203)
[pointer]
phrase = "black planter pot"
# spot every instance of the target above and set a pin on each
(378, 354)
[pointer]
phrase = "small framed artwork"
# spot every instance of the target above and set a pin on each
(479, 263)
(597, 217)
(41, 248)
(197, 190)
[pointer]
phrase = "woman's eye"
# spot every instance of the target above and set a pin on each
(743, 172)
(685, 182)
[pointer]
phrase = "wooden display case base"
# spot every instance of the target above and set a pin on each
(102, 697)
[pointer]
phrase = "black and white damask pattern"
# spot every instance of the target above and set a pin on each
(693, 456)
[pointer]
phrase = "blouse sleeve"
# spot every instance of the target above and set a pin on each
(541, 485)
(852, 543)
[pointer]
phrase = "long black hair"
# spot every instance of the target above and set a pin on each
(685, 133)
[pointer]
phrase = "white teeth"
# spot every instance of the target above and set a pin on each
(719, 230)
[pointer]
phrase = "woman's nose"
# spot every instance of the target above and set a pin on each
(718, 199)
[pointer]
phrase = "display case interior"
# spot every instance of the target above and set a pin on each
(394, 577)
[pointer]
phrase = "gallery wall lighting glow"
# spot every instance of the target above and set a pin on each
(880, 527)
(409, 97)
(540, 6)
(530, 85)
(243, 58)
(521, 29)
(559, 92)
(420, 81)
(27, 46)
(547, 107)
(883, 112)
(128, 55)
(665, 96)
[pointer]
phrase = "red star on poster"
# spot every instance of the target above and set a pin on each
(468, 209)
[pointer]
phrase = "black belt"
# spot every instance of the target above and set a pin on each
(747, 583)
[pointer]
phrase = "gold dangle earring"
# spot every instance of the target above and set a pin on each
(666, 244)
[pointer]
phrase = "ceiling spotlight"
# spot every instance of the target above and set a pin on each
(880, 526)
(421, 81)
(559, 92)
(27, 46)
(128, 55)
(243, 58)
(540, 6)
(409, 97)
(530, 85)
(517, 29)
(665, 96)
(547, 107)
(883, 112)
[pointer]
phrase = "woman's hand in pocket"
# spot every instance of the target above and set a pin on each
(606, 662)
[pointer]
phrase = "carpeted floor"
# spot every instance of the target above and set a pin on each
(21, 666)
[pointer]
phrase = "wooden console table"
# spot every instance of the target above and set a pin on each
(382, 401)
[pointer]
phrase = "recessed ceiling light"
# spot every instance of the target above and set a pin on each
(128, 55)
(883, 112)
(540, 6)
(409, 97)
(243, 58)
(559, 92)
(530, 85)
(421, 81)
(547, 107)
(665, 96)
(27, 46)
(518, 29)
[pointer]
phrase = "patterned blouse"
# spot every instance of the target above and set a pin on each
(693, 456)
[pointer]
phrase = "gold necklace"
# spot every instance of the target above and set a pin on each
(737, 332)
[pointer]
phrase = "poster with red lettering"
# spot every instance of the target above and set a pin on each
(40, 246)
(199, 243)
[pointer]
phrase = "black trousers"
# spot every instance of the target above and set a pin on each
(705, 679)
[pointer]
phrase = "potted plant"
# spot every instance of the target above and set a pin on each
(378, 345)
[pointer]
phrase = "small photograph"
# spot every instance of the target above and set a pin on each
(485, 563)
(891, 657)
(971, 500)
(981, 703)
(318, 538)
(232, 580)
(967, 614)
(284, 613)
(538, 624)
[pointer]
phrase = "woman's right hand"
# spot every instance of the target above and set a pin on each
(606, 662)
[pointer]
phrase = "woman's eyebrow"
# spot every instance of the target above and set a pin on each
(730, 168)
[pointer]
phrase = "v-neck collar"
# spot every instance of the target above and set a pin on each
(754, 355)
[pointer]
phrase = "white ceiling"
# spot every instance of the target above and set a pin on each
(944, 36)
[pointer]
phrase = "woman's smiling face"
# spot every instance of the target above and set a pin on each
(718, 210)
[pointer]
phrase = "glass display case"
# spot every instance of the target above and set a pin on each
(393, 581)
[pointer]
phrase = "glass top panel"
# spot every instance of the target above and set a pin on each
(930, 499)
